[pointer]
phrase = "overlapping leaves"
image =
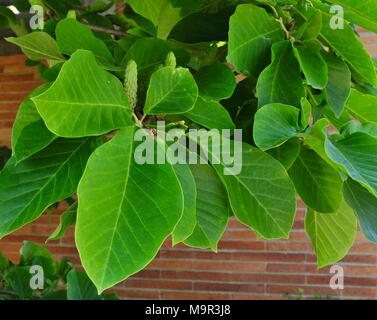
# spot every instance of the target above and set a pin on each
(299, 71)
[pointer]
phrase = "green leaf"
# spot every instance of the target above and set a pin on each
(339, 84)
(318, 184)
(29, 133)
(346, 44)
(148, 54)
(312, 64)
(126, 210)
(190, 28)
(171, 91)
(186, 224)
(169, 16)
(311, 28)
(250, 42)
(85, 100)
(80, 287)
(71, 36)
(281, 81)
(306, 112)
(4, 263)
(149, 9)
(287, 153)
(271, 213)
(30, 250)
(363, 106)
(315, 137)
(362, 13)
(365, 205)
(332, 235)
(338, 123)
(18, 280)
(352, 127)
(29, 188)
(38, 46)
(210, 114)
(212, 209)
(216, 82)
(357, 155)
(274, 124)
(67, 219)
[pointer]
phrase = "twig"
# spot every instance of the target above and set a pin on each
(109, 31)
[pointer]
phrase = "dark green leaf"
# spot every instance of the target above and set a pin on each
(212, 209)
(281, 81)
(250, 42)
(318, 184)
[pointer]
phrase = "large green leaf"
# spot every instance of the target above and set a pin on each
(216, 82)
(210, 114)
(67, 219)
(365, 205)
(85, 100)
(29, 134)
(287, 153)
(148, 54)
(171, 91)
(318, 184)
(339, 84)
(362, 13)
(262, 196)
(149, 9)
(357, 155)
(250, 42)
(281, 81)
(311, 28)
(186, 224)
(71, 36)
(190, 29)
(347, 45)
(352, 127)
(274, 124)
(363, 106)
(38, 46)
(169, 16)
(126, 210)
(332, 235)
(312, 64)
(212, 208)
(29, 188)
(79, 287)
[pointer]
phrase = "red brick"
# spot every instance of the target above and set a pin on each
(14, 59)
(18, 68)
(137, 294)
(17, 77)
(19, 86)
(13, 96)
(176, 295)
(158, 284)
(230, 266)
(231, 287)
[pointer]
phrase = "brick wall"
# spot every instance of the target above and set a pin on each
(244, 267)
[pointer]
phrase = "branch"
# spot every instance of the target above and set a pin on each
(109, 31)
